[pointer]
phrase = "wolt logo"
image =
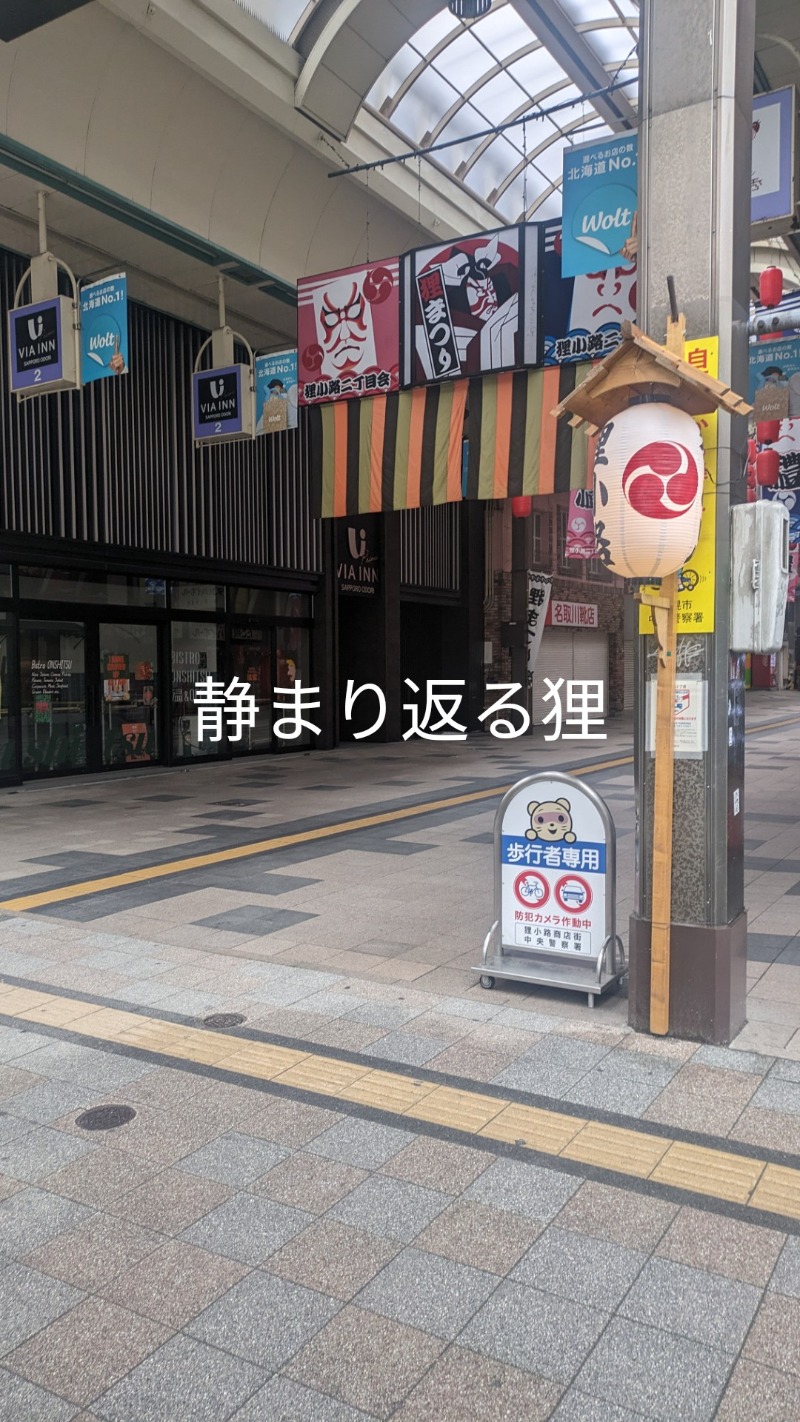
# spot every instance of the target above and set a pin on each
(36, 327)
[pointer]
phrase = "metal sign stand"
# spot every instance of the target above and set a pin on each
(539, 866)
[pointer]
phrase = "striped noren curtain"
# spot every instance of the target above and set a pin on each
(388, 452)
(515, 444)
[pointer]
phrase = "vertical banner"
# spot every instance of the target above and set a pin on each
(600, 200)
(697, 578)
(276, 392)
(774, 165)
(581, 541)
(104, 328)
(348, 332)
(538, 601)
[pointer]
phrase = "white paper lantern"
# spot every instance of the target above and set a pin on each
(648, 479)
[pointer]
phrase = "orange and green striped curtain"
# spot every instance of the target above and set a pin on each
(515, 444)
(386, 452)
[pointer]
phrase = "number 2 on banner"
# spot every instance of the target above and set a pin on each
(37, 377)
(218, 427)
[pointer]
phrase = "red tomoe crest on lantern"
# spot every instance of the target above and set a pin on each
(648, 490)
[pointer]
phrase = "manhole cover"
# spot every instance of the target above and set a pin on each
(105, 1118)
(224, 1019)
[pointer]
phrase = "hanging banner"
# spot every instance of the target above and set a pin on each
(222, 407)
(104, 328)
(470, 306)
(276, 392)
(697, 579)
(348, 332)
(599, 203)
(775, 378)
(581, 317)
(580, 541)
(774, 165)
(42, 356)
(539, 589)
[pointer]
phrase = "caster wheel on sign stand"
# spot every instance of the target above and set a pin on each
(487, 981)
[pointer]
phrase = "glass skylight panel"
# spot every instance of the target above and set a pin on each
(426, 102)
(463, 61)
(396, 72)
(611, 44)
(494, 164)
(503, 31)
(537, 72)
(499, 97)
(580, 11)
(443, 24)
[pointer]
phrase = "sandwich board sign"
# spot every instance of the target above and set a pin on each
(555, 867)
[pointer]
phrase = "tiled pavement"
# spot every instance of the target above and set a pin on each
(234, 1254)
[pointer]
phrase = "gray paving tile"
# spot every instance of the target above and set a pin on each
(384, 1014)
(733, 1060)
(623, 1081)
(38, 1153)
(183, 1381)
(579, 1407)
(786, 1278)
(535, 1331)
(28, 1302)
(427, 1292)
(50, 1101)
(655, 1374)
(254, 919)
(594, 1272)
(20, 1042)
(391, 1208)
(366, 1144)
(236, 1322)
(280, 883)
(697, 1304)
(406, 1047)
(248, 1228)
(33, 1217)
(285, 1401)
(778, 1094)
(550, 1067)
(13, 1128)
(88, 1065)
(530, 1190)
(21, 1401)
(233, 1159)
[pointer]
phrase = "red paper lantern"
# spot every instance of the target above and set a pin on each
(752, 451)
(648, 479)
(521, 506)
(767, 431)
(768, 467)
(770, 286)
(751, 476)
(752, 495)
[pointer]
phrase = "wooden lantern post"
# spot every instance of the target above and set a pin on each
(639, 367)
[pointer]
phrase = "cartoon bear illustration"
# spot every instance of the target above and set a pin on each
(550, 821)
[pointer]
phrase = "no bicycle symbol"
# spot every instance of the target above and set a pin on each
(531, 889)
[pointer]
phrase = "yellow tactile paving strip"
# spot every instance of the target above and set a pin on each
(28, 902)
(718, 1173)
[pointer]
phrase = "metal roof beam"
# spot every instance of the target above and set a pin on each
(577, 58)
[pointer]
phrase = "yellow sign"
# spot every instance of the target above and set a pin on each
(696, 579)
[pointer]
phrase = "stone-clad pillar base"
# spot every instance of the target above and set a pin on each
(707, 979)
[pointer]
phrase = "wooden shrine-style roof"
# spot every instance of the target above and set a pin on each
(641, 367)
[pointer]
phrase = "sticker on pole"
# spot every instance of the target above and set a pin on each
(553, 864)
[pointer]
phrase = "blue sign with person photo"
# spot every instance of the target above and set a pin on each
(599, 204)
(276, 392)
(104, 328)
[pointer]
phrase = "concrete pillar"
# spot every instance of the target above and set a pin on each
(694, 224)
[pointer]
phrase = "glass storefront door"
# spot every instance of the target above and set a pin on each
(129, 693)
(252, 662)
(7, 759)
(198, 652)
(53, 685)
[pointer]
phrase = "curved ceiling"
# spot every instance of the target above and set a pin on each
(431, 78)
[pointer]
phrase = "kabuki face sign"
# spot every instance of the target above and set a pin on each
(463, 308)
(348, 325)
(648, 490)
(582, 316)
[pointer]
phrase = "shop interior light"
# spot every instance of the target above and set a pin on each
(469, 9)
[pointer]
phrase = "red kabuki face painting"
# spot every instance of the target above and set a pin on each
(349, 333)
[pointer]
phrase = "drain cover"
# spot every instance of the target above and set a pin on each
(224, 1019)
(105, 1118)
